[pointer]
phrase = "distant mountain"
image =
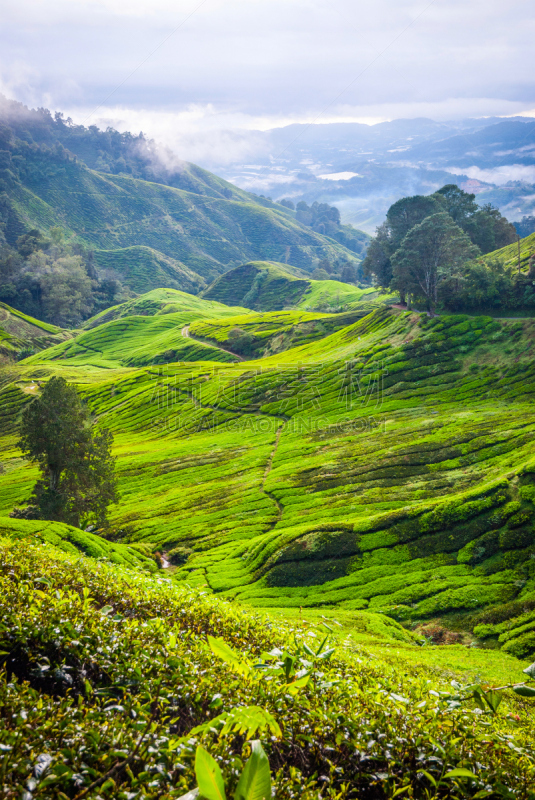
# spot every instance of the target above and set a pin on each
(363, 169)
(154, 226)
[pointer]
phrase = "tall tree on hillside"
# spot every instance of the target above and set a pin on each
(377, 260)
(429, 255)
(459, 204)
(406, 213)
(77, 469)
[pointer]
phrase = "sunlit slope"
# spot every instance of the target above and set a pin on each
(334, 296)
(264, 333)
(388, 466)
(509, 255)
(165, 301)
(388, 477)
(147, 330)
(132, 342)
(74, 541)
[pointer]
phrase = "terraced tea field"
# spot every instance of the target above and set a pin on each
(386, 467)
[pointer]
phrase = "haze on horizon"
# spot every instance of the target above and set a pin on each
(185, 71)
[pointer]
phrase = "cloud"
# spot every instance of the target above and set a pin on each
(197, 75)
(498, 175)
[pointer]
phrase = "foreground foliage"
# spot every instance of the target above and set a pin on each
(110, 684)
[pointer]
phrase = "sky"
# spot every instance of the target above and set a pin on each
(194, 74)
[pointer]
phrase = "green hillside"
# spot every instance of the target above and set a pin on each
(190, 231)
(385, 467)
(75, 542)
(165, 301)
(334, 296)
(151, 329)
(20, 334)
(271, 286)
(260, 285)
(143, 269)
(508, 256)
(262, 334)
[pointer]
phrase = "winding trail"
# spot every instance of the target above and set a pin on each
(187, 335)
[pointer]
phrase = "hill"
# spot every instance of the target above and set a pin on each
(262, 334)
(147, 330)
(186, 227)
(165, 301)
(384, 467)
(271, 286)
(143, 268)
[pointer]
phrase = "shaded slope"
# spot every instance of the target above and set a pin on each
(271, 286)
(260, 285)
(143, 269)
(110, 212)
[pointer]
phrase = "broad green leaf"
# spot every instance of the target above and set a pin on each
(295, 686)
(209, 777)
(493, 699)
(255, 780)
(524, 691)
(327, 654)
(223, 651)
(460, 772)
(530, 670)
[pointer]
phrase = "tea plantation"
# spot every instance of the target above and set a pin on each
(113, 679)
(270, 286)
(386, 466)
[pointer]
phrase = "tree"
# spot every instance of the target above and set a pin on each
(429, 255)
(406, 213)
(377, 259)
(349, 273)
(459, 204)
(77, 469)
(489, 229)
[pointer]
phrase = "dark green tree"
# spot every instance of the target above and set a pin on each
(459, 204)
(77, 469)
(406, 213)
(430, 254)
(377, 259)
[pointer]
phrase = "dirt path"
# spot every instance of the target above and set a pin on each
(187, 335)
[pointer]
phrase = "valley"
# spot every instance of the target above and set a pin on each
(296, 509)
